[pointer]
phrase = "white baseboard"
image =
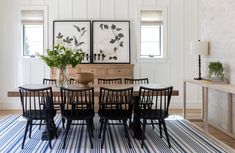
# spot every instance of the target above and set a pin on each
(189, 105)
(10, 106)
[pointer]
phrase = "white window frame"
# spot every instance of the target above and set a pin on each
(154, 59)
(45, 27)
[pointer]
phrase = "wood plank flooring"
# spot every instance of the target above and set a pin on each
(190, 114)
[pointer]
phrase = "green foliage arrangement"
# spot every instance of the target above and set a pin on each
(62, 55)
(216, 70)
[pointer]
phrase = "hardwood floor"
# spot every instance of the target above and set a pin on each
(177, 112)
(196, 113)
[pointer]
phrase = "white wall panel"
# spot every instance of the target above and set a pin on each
(217, 110)
(151, 3)
(65, 9)
(121, 9)
(176, 44)
(53, 6)
(79, 9)
(36, 2)
(107, 9)
(147, 70)
(161, 73)
(24, 2)
(164, 2)
(36, 71)
(93, 9)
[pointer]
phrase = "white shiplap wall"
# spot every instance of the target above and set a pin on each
(217, 26)
(182, 27)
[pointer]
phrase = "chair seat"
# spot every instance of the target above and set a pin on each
(39, 115)
(114, 114)
(78, 114)
(152, 114)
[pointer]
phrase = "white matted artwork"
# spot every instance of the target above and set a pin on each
(75, 32)
(111, 41)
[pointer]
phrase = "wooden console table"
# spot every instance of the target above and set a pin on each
(228, 88)
(101, 70)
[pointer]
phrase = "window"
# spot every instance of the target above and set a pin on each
(151, 39)
(152, 32)
(33, 32)
(32, 40)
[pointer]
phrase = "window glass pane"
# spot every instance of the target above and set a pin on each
(33, 39)
(150, 33)
(150, 48)
(151, 40)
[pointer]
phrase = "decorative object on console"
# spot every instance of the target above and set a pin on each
(76, 33)
(216, 73)
(111, 41)
(83, 79)
(199, 48)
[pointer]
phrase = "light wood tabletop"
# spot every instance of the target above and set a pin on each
(56, 90)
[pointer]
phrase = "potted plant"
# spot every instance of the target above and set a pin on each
(216, 71)
(60, 56)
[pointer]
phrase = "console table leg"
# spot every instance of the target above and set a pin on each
(203, 101)
(184, 105)
(206, 110)
(230, 112)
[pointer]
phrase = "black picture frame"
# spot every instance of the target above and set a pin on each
(111, 41)
(75, 29)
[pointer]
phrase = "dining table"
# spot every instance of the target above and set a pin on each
(135, 126)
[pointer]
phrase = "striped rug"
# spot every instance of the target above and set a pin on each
(184, 138)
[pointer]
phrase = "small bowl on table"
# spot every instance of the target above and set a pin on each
(84, 79)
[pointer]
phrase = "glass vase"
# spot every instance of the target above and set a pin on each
(62, 79)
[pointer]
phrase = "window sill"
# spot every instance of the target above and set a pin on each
(151, 60)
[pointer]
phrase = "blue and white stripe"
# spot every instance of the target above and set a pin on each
(183, 136)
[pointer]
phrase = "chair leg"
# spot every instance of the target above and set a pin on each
(152, 124)
(166, 133)
(40, 124)
(30, 128)
(54, 127)
(63, 121)
(160, 127)
(48, 132)
(104, 131)
(101, 127)
(143, 133)
(130, 122)
(89, 129)
(91, 123)
(67, 131)
(25, 133)
(126, 132)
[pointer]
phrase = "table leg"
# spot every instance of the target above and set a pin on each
(136, 128)
(206, 110)
(184, 101)
(53, 131)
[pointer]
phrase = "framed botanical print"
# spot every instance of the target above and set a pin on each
(111, 41)
(77, 33)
